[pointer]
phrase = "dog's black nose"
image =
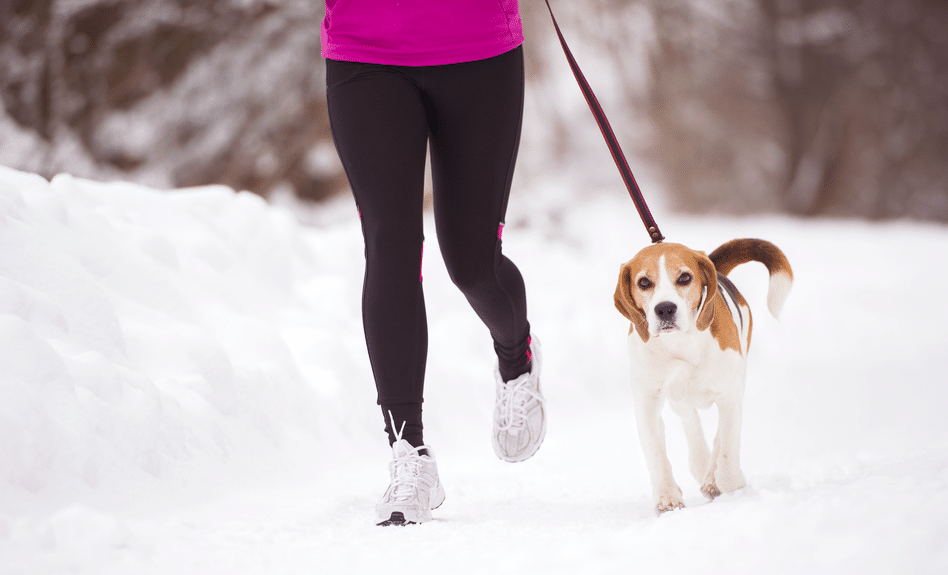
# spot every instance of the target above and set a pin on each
(666, 310)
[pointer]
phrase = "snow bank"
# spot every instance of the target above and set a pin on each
(147, 333)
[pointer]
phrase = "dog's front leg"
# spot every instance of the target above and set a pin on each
(648, 417)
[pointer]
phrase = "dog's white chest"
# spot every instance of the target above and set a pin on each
(685, 368)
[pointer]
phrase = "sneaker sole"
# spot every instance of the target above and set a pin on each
(397, 518)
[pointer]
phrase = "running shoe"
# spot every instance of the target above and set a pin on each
(519, 412)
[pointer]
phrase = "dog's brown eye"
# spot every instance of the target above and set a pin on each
(684, 279)
(645, 283)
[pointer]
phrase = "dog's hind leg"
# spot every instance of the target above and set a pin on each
(708, 486)
(698, 454)
(725, 475)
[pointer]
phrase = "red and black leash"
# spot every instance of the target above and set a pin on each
(607, 133)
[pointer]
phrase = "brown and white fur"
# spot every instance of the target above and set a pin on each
(688, 343)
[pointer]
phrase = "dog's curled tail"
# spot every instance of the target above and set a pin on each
(736, 252)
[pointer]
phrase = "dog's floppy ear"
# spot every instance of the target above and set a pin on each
(710, 281)
(626, 305)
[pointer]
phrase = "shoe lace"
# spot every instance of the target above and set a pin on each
(405, 468)
(514, 398)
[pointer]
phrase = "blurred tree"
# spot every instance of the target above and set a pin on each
(168, 92)
(816, 107)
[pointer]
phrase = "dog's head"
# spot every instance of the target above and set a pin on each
(667, 288)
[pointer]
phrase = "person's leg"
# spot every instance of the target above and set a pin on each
(380, 130)
(475, 112)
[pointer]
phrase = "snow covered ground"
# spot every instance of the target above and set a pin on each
(184, 389)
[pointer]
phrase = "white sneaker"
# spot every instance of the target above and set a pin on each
(415, 488)
(519, 414)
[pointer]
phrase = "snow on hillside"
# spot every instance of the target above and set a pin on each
(184, 389)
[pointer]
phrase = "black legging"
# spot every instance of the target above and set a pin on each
(383, 118)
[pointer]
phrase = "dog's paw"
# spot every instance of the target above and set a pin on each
(668, 502)
(709, 489)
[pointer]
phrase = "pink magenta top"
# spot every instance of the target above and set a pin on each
(419, 32)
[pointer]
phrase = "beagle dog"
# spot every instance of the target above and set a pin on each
(688, 343)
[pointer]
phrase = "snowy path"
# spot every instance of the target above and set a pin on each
(581, 508)
(207, 407)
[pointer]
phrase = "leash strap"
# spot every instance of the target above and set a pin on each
(607, 133)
